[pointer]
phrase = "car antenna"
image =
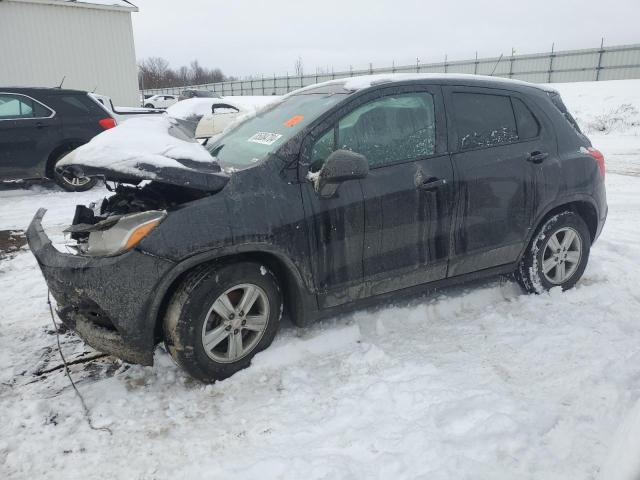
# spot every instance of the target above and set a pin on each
(496, 65)
(62, 81)
(94, 89)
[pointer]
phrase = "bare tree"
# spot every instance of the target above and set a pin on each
(299, 67)
(156, 73)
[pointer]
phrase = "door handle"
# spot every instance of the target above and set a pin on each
(40, 125)
(432, 184)
(537, 157)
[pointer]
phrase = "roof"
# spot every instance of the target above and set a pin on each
(121, 5)
(37, 90)
(353, 84)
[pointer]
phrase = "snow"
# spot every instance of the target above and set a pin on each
(609, 113)
(199, 107)
(479, 381)
(147, 140)
(192, 107)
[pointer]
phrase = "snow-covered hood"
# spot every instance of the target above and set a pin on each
(160, 148)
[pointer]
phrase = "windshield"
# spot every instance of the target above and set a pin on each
(253, 139)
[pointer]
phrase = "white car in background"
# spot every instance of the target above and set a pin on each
(160, 101)
(222, 112)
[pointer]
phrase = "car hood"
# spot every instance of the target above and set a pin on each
(157, 149)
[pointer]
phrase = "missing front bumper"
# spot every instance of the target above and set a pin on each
(119, 289)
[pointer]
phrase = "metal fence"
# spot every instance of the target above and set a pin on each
(593, 64)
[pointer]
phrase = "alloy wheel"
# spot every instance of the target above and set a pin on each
(561, 255)
(235, 323)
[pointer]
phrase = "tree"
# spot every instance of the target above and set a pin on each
(155, 72)
(299, 67)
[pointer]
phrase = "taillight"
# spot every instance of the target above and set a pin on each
(107, 123)
(599, 158)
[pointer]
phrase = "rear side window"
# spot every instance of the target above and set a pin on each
(78, 105)
(528, 126)
(21, 107)
(483, 120)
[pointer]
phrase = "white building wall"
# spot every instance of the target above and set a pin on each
(93, 47)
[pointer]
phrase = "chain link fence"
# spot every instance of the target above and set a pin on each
(592, 64)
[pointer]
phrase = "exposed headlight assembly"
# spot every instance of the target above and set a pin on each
(116, 235)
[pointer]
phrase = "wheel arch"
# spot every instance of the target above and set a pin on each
(584, 206)
(296, 298)
(64, 146)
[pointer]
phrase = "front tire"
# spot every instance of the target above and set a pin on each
(557, 255)
(70, 182)
(220, 317)
(149, 105)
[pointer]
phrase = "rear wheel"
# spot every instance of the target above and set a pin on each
(66, 179)
(557, 256)
(220, 317)
(149, 105)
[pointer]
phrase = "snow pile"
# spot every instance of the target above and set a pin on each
(607, 107)
(607, 113)
(151, 140)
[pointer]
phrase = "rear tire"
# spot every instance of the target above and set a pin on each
(149, 105)
(557, 255)
(207, 330)
(67, 180)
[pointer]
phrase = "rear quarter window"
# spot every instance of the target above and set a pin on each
(77, 105)
(528, 125)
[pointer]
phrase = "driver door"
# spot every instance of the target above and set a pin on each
(391, 229)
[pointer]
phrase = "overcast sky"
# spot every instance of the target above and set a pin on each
(253, 37)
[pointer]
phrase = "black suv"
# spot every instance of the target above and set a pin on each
(39, 126)
(341, 195)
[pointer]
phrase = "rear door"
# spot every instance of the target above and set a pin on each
(28, 132)
(499, 147)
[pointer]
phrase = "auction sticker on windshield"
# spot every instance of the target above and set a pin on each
(265, 138)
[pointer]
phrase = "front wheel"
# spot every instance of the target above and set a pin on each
(557, 255)
(69, 181)
(220, 317)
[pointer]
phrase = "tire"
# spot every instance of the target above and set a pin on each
(191, 320)
(68, 181)
(561, 246)
(149, 105)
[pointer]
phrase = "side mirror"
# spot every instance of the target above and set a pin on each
(340, 166)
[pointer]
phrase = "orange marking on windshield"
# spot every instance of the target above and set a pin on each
(294, 120)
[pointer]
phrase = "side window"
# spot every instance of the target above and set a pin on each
(528, 126)
(40, 111)
(80, 105)
(323, 147)
(483, 120)
(15, 106)
(391, 129)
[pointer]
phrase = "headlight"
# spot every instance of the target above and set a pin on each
(125, 234)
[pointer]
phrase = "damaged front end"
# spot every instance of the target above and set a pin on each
(103, 289)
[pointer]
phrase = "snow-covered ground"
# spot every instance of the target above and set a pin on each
(477, 382)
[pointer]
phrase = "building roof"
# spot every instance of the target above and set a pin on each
(122, 5)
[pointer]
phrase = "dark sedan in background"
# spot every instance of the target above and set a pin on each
(39, 126)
